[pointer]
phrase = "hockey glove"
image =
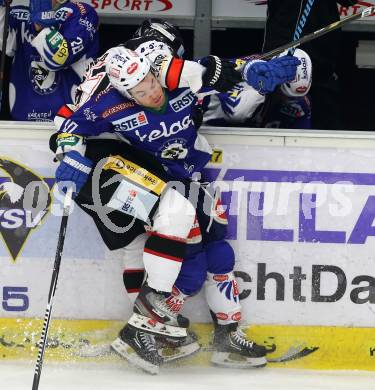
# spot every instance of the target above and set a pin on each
(73, 170)
(220, 74)
(197, 116)
(41, 13)
(265, 76)
(53, 48)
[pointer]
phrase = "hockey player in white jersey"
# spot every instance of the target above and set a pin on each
(51, 42)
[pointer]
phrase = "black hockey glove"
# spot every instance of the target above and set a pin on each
(53, 142)
(220, 74)
(197, 116)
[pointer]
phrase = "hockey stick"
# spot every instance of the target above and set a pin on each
(4, 48)
(52, 289)
(272, 99)
(316, 34)
(301, 23)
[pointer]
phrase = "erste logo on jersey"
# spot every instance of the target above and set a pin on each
(20, 14)
(131, 122)
(181, 101)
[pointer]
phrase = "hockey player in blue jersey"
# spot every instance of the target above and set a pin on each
(158, 123)
(51, 43)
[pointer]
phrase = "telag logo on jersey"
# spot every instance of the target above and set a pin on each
(181, 101)
(131, 122)
(166, 132)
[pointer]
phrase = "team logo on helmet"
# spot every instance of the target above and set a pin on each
(132, 68)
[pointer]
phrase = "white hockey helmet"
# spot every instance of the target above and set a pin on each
(126, 69)
(300, 86)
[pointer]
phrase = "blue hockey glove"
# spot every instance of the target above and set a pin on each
(265, 76)
(74, 168)
(41, 13)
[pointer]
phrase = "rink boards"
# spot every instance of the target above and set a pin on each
(321, 348)
(301, 207)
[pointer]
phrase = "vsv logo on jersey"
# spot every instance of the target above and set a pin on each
(131, 122)
(181, 101)
(43, 81)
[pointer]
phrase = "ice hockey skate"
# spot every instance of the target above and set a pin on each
(154, 314)
(232, 349)
(169, 349)
(138, 348)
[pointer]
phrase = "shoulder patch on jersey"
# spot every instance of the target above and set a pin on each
(183, 100)
(118, 107)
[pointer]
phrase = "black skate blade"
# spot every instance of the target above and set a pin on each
(128, 353)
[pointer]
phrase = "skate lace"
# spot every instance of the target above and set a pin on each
(147, 341)
(240, 338)
(164, 305)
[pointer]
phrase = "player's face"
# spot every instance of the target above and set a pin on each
(149, 92)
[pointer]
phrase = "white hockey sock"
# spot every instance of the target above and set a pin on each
(222, 297)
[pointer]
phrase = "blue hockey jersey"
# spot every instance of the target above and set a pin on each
(169, 134)
(36, 92)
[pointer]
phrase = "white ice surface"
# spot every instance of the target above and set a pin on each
(19, 376)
